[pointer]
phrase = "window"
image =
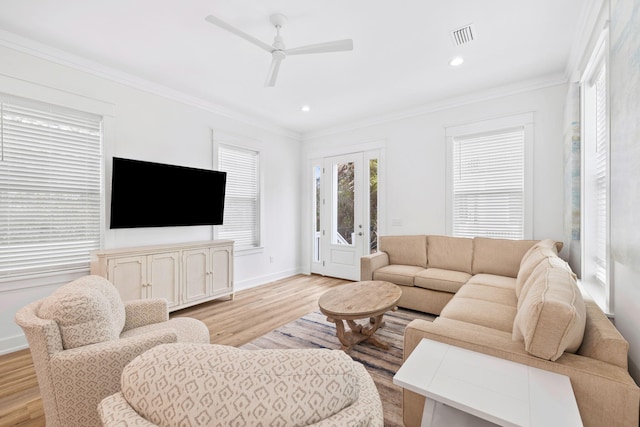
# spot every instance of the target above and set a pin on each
(50, 188)
(488, 185)
(488, 179)
(595, 177)
(317, 208)
(373, 205)
(242, 197)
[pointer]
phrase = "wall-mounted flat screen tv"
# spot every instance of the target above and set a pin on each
(147, 194)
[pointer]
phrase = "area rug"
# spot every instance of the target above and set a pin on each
(314, 331)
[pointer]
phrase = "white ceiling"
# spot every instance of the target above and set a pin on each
(400, 57)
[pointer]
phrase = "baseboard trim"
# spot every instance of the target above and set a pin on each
(13, 344)
(263, 280)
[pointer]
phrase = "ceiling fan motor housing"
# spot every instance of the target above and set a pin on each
(278, 54)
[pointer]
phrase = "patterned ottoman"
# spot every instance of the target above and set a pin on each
(203, 384)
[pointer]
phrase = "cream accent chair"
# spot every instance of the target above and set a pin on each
(206, 385)
(81, 338)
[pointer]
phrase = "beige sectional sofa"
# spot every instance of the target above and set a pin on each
(514, 299)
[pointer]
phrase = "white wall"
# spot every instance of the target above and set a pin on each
(415, 160)
(147, 126)
(625, 178)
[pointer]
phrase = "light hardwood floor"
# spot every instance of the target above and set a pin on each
(252, 313)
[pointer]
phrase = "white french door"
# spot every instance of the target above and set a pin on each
(345, 212)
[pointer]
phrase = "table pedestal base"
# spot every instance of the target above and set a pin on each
(358, 332)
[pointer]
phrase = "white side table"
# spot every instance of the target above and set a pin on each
(461, 384)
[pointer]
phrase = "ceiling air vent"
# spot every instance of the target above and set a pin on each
(463, 35)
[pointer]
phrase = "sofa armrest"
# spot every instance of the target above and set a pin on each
(115, 411)
(143, 312)
(372, 262)
(605, 393)
(366, 411)
(119, 351)
(83, 376)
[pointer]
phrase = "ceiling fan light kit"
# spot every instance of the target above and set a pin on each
(278, 49)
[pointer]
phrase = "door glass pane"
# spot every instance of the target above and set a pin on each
(316, 211)
(343, 226)
(373, 205)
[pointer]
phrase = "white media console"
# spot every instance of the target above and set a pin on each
(185, 274)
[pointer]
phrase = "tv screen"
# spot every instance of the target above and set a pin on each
(146, 194)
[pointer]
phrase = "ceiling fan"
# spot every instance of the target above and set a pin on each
(278, 50)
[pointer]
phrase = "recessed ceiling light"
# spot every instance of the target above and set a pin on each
(456, 61)
(305, 109)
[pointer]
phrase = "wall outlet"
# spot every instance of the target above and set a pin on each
(271, 260)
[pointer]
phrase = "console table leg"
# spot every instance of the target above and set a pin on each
(428, 412)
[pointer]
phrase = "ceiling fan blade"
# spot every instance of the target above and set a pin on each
(218, 22)
(272, 75)
(334, 46)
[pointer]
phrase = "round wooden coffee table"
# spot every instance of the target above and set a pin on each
(359, 300)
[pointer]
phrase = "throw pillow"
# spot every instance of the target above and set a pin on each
(110, 292)
(552, 317)
(83, 316)
(538, 252)
(539, 270)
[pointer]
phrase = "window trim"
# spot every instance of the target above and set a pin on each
(602, 293)
(250, 145)
(524, 120)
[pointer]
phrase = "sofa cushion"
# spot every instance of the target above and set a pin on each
(187, 329)
(551, 319)
(538, 252)
(83, 316)
(220, 385)
(495, 281)
(407, 250)
(499, 256)
(398, 274)
(441, 280)
(110, 292)
(539, 271)
(484, 313)
(495, 294)
(450, 253)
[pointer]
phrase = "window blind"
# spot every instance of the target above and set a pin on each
(242, 197)
(601, 174)
(488, 185)
(50, 188)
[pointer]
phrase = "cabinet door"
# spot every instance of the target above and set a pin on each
(163, 274)
(128, 275)
(196, 275)
(221, 262)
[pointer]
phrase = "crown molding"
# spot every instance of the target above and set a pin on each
(486, 95)
(61, 57)
(587, 21)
